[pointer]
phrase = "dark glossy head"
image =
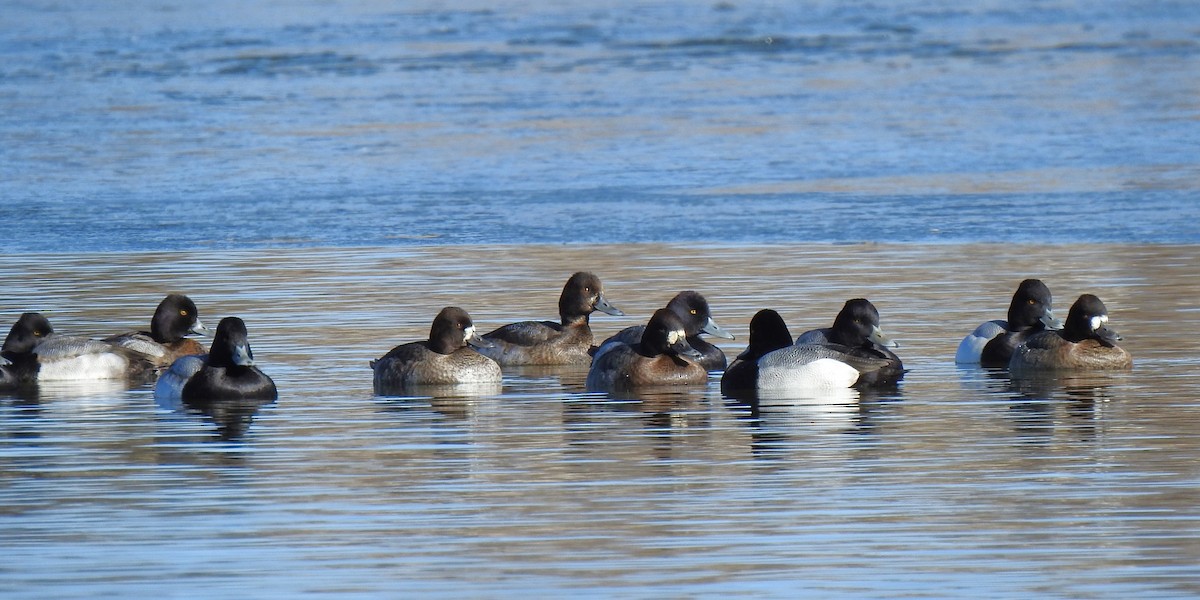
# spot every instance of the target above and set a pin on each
(1030, 308)
(230, 346)
(857, 325)
(175, 317)
(768, 333)
(26, 333)
(665, 335)
(1088, 319)
(582, 295)
(693, 309)
(452, 329)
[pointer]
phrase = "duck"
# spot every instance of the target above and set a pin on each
(36, 353)
(227, 372)
(1084, 343)
(857, 327)
(16, 376)
(773, 363)
(692, 307)
(991, 345)
(661, 357)
(175, 318)
(768, 333)
(548, 343)
(447, 357)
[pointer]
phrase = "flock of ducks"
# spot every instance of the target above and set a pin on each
(180, 366)
(667, 350)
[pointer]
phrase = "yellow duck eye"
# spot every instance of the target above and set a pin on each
(693, 311)
(183, 313)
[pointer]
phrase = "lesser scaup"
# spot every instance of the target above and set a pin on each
(693, 309)
(550, 343)
(992, 343)
(15, 377)
(447, 357)
(227, 372)
(768, 333)
(772, 363)
(175, 317)
(661, 357)
(37, 353)
(857, 327)
(1084, 343)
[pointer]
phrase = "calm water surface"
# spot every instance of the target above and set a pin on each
(297, 123)
(962, 484)
(336, 171)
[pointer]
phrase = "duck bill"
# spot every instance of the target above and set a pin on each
(473, 339)
(685, 349)
(478, 342)
(711, 328)
(198, 328)
(678, 345)
(879, 337)
(242, 356)
(603, 306)
(1049, 321)
(1108, 337)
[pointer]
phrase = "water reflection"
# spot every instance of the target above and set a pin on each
(447, 391)
(232, 417)
(967, 469)
(1046, 403)
(84, 394)
(1089, 386)
(779, 425)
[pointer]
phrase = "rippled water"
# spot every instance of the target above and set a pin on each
(294, 123)
(962, 484)
(335, 172)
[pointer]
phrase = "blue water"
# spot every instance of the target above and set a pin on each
(330, 171)
(180, 126)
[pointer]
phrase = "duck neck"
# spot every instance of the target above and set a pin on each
(570, 320)
(441, 346)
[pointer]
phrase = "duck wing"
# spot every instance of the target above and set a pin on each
(140, 342)
(525, 333)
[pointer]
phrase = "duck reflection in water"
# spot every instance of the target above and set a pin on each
(1044, 403)
(231, 417)
(851, 419)
(663, 418)
(458, 401)
(225, 384)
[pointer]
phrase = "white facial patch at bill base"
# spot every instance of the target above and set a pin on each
(1096, 322)
(469, 332)
(673, 337)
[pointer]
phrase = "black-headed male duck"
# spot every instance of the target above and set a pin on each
(175, 318)
(992, 343)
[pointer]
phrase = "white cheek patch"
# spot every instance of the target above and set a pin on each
(1096, 322)
(469, 332)
(673, 337)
